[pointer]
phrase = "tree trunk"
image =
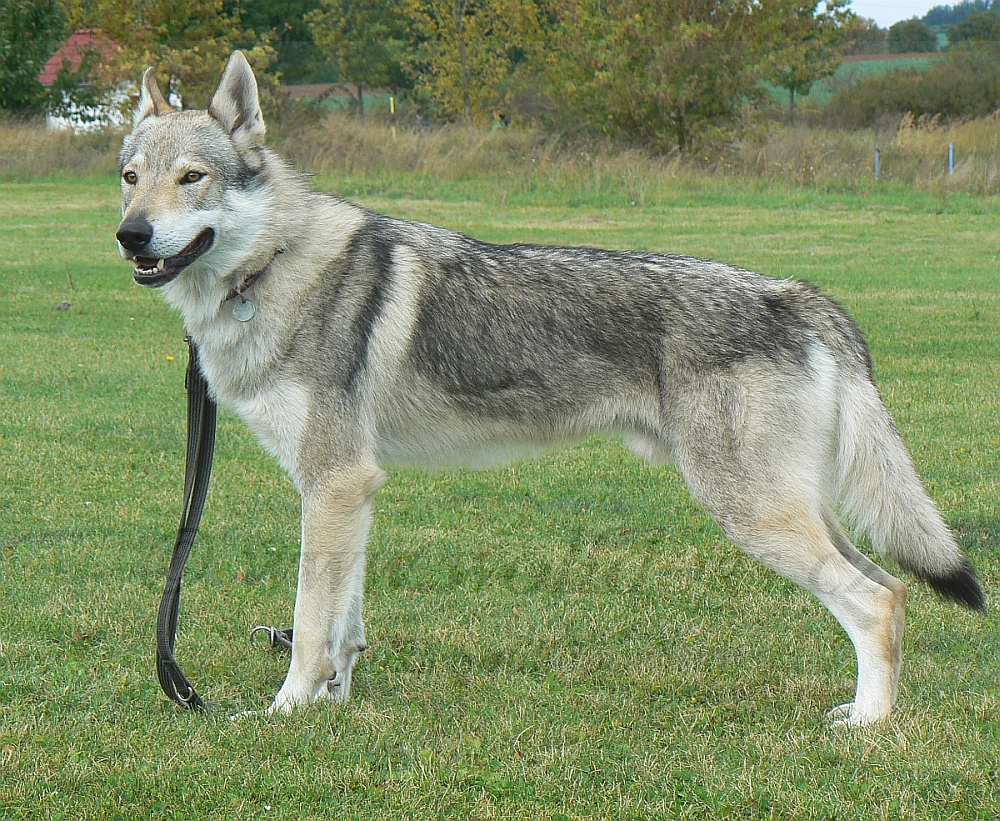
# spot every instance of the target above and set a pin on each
(463, 59)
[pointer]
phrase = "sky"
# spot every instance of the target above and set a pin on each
(887, 12)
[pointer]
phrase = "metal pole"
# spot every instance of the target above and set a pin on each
(951, 157)
(876, 162)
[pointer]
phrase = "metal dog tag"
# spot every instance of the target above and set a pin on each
(244, 310)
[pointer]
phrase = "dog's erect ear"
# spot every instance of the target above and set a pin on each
(236, 105)
(151, 102)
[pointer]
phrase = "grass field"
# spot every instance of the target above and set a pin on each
(563, 639)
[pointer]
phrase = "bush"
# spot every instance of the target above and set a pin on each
(965, 85)
(975, 28)
(400, 156)
(862, 36)
(911, 36)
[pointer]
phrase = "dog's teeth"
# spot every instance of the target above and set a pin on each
(159, 265)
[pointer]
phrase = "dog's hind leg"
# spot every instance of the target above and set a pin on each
(757, 445)
(809, 548)
(328, 629)
(887, 650)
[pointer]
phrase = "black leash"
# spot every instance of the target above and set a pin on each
(201, 412)
(197, 472)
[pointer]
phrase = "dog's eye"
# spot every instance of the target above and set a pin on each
(130, 177)
(192, 176)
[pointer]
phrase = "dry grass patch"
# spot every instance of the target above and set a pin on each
(378, 155)
(29, 150)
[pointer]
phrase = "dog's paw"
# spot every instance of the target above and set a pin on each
(848, 715)
(337, 689)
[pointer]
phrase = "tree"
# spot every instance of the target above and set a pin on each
(949, 15)
(298, 58)
(863, 36)
(667, 74)
(30, 32)
(187, 41)
(364, 39)
(464, 51)
(976, 28)
(805, 43)
(910, 36)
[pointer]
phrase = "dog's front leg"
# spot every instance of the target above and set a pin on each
(328, 630)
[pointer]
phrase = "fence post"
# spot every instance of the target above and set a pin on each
(951, 157)
(876, 162)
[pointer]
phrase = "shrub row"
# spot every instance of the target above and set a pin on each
(965, 85)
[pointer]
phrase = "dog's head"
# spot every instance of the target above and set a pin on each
(189, 178)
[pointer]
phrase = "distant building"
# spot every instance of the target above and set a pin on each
(72, 52)
(70, 55)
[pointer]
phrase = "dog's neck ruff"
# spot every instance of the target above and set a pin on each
(245, 309)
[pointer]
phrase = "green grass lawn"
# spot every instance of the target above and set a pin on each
(563, 639)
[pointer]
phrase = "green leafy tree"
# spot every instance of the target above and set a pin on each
(910, 36)
(949, 15)
(364, 39)
(465, 52)
(30, 32)
(976, 28)
(298, 59)
(805, 43)
(187, 41)
(668, 74)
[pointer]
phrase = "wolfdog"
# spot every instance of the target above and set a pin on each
(348, 341)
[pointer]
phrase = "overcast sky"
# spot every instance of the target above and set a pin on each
(887, 12)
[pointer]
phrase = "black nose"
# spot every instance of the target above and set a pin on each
(134, 234)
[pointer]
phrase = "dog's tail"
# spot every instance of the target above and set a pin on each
(881, 494)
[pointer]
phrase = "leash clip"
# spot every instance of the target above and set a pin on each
(282, 639)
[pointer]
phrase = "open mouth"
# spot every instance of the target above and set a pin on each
(158, 272)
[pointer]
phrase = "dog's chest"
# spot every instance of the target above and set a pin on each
(276, 411)
(278, 418)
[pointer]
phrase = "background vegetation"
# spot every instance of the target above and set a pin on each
(668, 78)
(388, 156)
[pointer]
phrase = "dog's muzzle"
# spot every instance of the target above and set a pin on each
(134, 235)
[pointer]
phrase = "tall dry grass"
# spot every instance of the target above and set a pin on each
(517, 161)
(28, 150)
(510, 162)
(911, 151)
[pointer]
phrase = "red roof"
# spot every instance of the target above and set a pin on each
(72, 51)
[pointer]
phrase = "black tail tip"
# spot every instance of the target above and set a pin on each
(961, 586)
